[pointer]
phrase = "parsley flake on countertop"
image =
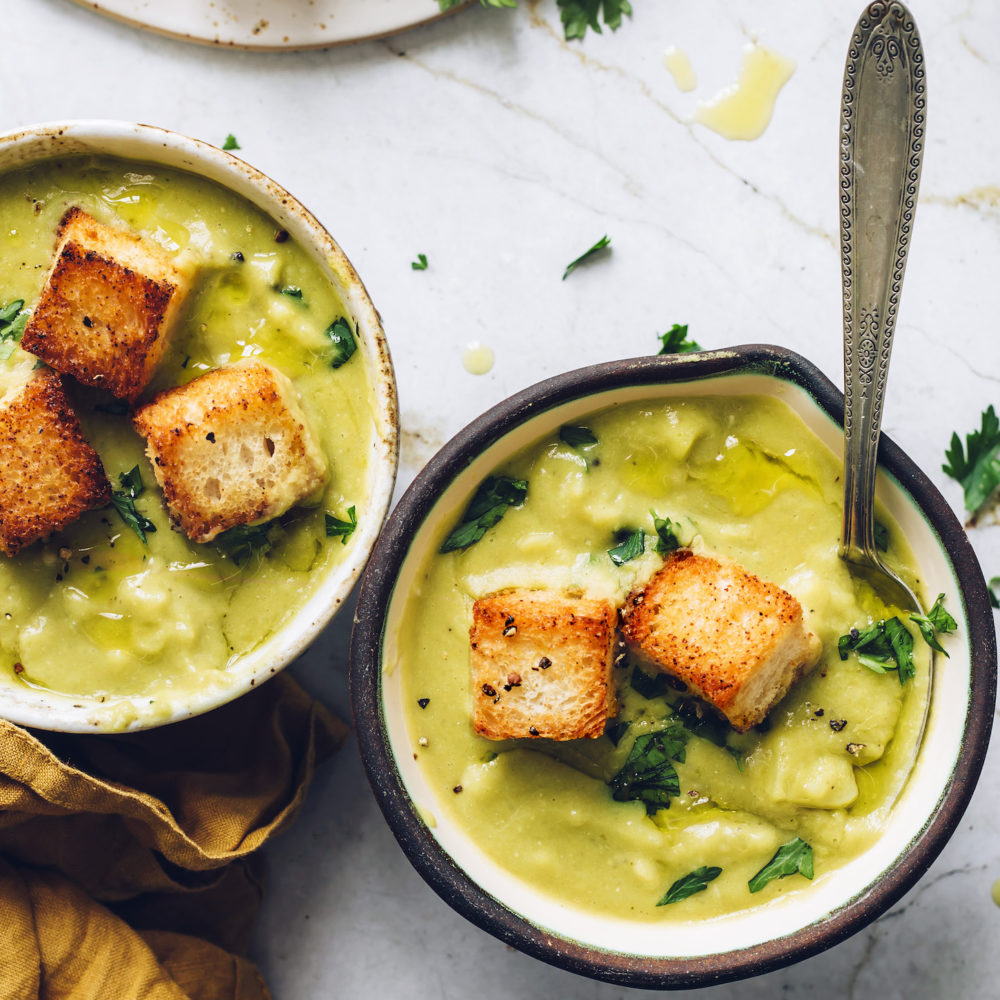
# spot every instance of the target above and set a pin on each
(336, 526)
(794, 857)
(420, 264)
(688, 885)
(231, 142)
(487, 507)
(648, 774)
(123, 501)
(576, 15)
(675, 341)
(630, 544)
(13, 320)
(976, 466)
(344, 344)
(602, 244)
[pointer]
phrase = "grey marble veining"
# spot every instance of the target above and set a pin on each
(501, 151)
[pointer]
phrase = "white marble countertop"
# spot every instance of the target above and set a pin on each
(500, 151)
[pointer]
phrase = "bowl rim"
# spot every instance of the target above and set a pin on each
(452, 883)
(45, 141)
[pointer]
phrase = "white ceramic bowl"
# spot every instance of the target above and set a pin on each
(47, 710)
(790, 927)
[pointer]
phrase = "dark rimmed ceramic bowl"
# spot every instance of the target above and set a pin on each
(751, 942)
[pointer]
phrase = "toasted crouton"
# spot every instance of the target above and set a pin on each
(541, 665)
(49, 474)
(105, 313)
(231, 448)
(735, 640)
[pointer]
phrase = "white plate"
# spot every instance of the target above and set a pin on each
(272, 24)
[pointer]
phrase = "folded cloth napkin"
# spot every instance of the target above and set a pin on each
(125, 861)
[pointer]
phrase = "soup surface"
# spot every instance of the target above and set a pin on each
(94, 611)
(743, 478)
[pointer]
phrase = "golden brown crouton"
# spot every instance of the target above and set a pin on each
(49, 474)
(231, 448)
(541, 665)
(105, 313)
(735, 640)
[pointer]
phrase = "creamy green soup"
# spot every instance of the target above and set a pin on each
(93, 611)
(744, 478)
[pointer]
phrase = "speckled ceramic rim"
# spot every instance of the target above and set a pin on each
(330, 41)
(454, 885)
(145, 143)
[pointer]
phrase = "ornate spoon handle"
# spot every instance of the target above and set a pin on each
(881, 150)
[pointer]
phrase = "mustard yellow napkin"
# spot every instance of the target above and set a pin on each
(125, 861)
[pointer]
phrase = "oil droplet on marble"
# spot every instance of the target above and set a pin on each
(744, 110)
(477, 358)
(679, 66)
(995, 892)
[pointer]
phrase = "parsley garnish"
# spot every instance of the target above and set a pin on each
(794, 857)
(344, 344)
(881, 533)
(420, 264)
(648, 774)
(666, 534)
(977, 466)
(577, 437)
(630, 544)
(292, 291)
(615, 731)
(603, 243)
(335, 526)
(13, 320)
(649, 685)
(244, 541)
(700, 722)
(688, 885)
(936, 620)
(123, 501)
(231, 142)
(675, 341)
(881, 647)
(487, 507)
(578, 15)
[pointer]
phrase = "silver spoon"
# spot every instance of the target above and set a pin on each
(881, 150)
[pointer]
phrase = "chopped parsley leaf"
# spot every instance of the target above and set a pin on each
(231, 142)
(675, 341)
(666, 534)
(244, 541)
(602, 244)
(344, 344)
(884, 646)
(649, 685)
(578, 15)
(487, 507)
(616, 730)
(976, 466)
(123, 501)
(420, 264)
(794, 857)
(13, 320)
(335, 526)
(577, 437)
(648, 774)
(630, 544)
(936, 620)
(292, 291)
(688, 885)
